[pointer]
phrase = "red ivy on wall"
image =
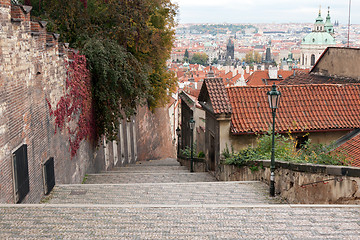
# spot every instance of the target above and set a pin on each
(75, 108)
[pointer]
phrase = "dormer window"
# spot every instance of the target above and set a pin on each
(313, 39)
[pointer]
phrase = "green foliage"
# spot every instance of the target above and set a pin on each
(252, 57)
(240, 158)
(17, 2)
(199, 58)
(285, 150)
(127, 43)
(187, 152)
(119, 84)
(201, 154)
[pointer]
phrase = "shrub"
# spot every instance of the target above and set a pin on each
(285, 150)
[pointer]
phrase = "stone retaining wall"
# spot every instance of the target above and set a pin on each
(301, 183)
(199, 164)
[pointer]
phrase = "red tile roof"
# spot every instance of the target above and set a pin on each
(306, 77)
(216, 91)
(302, 108)
(351, 149)
(256, 79)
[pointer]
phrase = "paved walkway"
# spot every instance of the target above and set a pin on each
(194, 207)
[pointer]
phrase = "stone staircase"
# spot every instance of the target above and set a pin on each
(160, 182)
(162, 200)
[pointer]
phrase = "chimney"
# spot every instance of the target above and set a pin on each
(273, 73)
(247, 69)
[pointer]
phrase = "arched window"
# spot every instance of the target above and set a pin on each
(312, 60)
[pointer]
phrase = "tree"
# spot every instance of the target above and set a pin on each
(199, 58)
(257, 57)
(252, 57)
(140, 31)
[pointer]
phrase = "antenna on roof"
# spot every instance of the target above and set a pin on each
(348, 45)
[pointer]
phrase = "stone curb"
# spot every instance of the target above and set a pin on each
(176, 206)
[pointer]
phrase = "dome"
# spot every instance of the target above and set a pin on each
(318, 38)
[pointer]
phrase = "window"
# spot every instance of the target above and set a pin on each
(48, 175)
(20, 173)
(312, 60)
(301, 141)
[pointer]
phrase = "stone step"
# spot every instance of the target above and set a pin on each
(202, 222)
(164, 193)
(154, 169)
(164, 162)
(115, 178)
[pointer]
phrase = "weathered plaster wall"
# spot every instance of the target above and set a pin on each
(341, 62)
(153, 132)
(224, 131)
(301, 183)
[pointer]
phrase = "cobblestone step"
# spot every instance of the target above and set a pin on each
(115, 178)
(164, 193)
(206, 222)
(163, 162)
(149, 169)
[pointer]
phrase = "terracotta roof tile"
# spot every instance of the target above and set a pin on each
(351, 149)
(218, 95)
(303, 77)
(256, 79)
(302, 108)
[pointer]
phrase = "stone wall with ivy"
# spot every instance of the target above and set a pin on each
(34, 71)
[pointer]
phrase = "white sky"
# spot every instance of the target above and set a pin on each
(265, 11)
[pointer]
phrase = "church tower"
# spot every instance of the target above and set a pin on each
(314, 44)
(329, 27)
(230, 50)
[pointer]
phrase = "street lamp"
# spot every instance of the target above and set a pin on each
(274, 98)
(192, 125)
(178, 143)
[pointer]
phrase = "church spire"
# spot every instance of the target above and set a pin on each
(329, 27)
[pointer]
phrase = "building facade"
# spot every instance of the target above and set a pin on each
(314, 44)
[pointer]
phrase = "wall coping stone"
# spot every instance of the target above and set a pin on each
(194, 159)
(311, 168)
(43, 24)
(56, 36)
(26, 9)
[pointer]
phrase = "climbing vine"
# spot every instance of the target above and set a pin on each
(74, 111)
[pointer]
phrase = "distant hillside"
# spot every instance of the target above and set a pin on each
(216, 29)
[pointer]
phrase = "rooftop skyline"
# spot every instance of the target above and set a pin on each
(264, 11)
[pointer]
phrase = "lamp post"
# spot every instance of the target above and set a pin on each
(178, 142)
(274, 98)
(192, 125)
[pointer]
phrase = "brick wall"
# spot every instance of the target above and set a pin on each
(32, 70)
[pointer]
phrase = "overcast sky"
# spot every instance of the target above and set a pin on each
(265, 11)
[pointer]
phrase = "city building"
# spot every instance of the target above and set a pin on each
(314, 44)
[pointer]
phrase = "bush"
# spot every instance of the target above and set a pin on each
(285, 150)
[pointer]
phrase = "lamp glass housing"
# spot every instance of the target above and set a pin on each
(274, 97)
(192, 123)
